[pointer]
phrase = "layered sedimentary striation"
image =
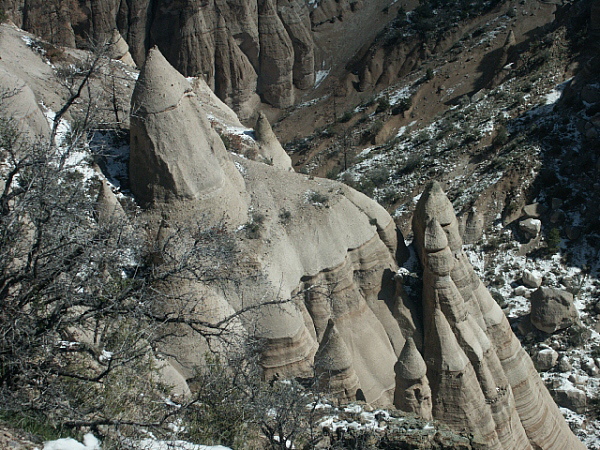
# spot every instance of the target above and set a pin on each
(319, 243)
(331, 251)
(480, 376)
(225, 41)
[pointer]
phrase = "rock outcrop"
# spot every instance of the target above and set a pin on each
(275, 82)
(334, 366)
(331, 251)
(413, 393)
(175, 165)
(552, 309)
(223, 40)
(480, 376)
(269, 147)
(319, 243)
(118, 48)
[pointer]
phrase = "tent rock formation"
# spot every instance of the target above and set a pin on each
(334, 255)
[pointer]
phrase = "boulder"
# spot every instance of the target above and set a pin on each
(533, 210)
(521, 291)
(532, 279)
(552, 309)
(564, 365)
(545, 359)
(590, 367)
(530, 227)
(571, 398)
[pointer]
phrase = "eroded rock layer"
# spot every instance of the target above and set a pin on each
(480, 376)
(324, 246)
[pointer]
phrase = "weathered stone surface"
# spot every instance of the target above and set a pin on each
(545, 359)
(533, 210)
(480, 376)
(573, 399)
(118, 48)
(235, 78)
(269, 147)
(275, 81)
(334, 366)
(413, 393)
(530, 227)
(297, 23)
(347, 242)
(532, 279)
(181, 163)
(552, 309)
(472, 230)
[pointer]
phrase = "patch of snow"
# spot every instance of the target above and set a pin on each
(153, 444)
(320, 76)
(556, 93)
(89, 443)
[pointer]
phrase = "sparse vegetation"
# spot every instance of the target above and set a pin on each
(553, 241)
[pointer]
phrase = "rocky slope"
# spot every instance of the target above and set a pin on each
(335, 254)
(449, 354)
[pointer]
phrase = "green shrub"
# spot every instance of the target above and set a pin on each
(404, 104)
(347, 116)
(382, 105)
(553, 241)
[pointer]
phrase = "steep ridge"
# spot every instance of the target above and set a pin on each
(480, 376)
(319, 242)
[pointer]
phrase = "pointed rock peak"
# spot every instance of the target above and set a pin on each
(435, 238)
(333, 354)
(221, 24)
(510, 39)
(410, 365)
(159, 86)
(264, 132)
(434, 203)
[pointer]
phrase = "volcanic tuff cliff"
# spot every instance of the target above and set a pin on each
(334, 253)
(242, 48)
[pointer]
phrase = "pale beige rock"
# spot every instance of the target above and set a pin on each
(296, 22)
(469, 348)
(337, 254)
(474, 223)
(108, 208)
(532, 279)
(545, 359)
(119, 49)
(534, 210)
(22, 108)
(334, 366)
(435, 239)
(530, 227)
(413, 393)
(235, 78)
(174, 152)
(269, 147)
